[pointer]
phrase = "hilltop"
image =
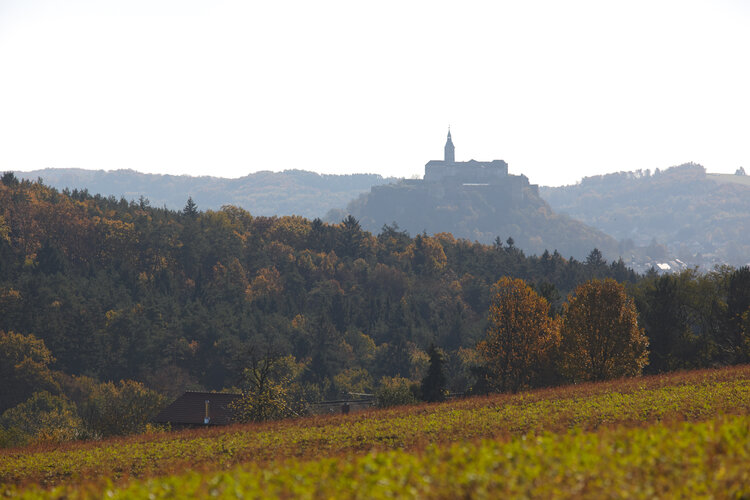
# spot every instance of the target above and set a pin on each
(480, 201)
(702, 219)
(468, 213)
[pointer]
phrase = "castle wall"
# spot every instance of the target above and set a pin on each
(448, 179)
(493, 172)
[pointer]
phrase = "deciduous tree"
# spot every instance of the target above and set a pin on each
(24, 368)
(519, 338)
(429, 256)
(110, 409)
(266, 394)
(41, 418)
(601, 338)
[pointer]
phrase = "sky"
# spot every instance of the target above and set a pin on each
(559, 90)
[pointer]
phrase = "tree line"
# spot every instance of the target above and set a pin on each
(121, 292)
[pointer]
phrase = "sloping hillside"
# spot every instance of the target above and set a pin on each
(291, 192)
(121, 291)
(702, 218)
(480, 215)
(675, 434)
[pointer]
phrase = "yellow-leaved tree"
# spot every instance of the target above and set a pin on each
(267, 392)
(520, 337)
(601, 338)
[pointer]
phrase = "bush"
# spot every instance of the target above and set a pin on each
(41, 418)
(395, 391)
(110, 409)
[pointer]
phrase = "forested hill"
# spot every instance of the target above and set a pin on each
(291, 192)
(482, 215)
(178, 299)
(701, 218)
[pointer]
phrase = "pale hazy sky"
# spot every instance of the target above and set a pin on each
(559, 90)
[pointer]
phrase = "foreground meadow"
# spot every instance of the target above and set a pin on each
(685, 433)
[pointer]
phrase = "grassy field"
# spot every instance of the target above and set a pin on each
(679, 434)
(730, 178)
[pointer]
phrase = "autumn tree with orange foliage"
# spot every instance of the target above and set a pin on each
(601, 338)
(520, 336)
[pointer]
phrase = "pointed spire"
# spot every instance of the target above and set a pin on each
(450, 150)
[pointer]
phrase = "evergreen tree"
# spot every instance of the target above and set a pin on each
(191, 209)
(738, 305)
(433, 384)
(9, 179)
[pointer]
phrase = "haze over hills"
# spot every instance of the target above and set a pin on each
(478, 201)
(480, 213)
(647, 218)
(291, 192)
(702, 219)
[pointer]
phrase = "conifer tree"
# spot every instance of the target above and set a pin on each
(191, 209)
(433, 384)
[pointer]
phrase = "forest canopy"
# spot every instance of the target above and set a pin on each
(119, 289)
(109, 304)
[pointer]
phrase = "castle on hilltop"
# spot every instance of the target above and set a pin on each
(464, 172)
(473, 174)
(475, 200)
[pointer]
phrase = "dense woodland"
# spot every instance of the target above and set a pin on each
(701, 218)
(120, 290)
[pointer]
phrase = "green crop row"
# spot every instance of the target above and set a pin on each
(408, 428)
(689, 460)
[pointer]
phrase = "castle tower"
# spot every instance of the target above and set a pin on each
(450, 150)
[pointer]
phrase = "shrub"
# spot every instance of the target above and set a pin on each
(41, 418)
(396, 391)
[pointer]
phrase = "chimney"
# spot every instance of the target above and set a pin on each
(207, 419)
